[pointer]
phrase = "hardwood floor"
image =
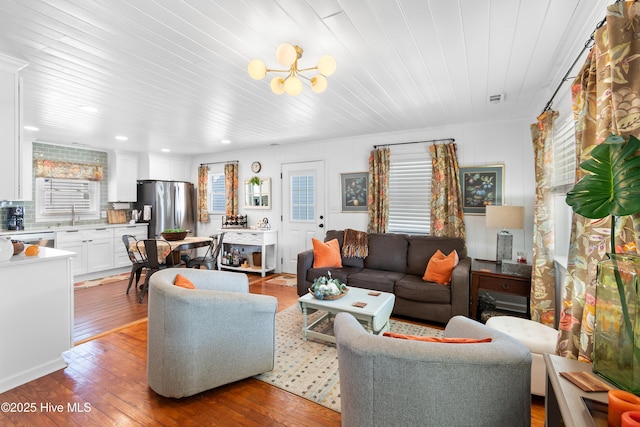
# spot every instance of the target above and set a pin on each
(105, 381)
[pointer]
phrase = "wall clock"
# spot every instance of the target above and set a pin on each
(256, 167)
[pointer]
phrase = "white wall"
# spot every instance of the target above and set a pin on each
(507, 143)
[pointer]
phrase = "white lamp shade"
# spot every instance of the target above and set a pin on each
(293, 86)
(277, 85)
(319, 83)
(326, 65)
(257, 69)
(286, 54)
(505, 217)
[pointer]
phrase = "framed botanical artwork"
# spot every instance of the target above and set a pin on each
(481, 186)
(354, 190)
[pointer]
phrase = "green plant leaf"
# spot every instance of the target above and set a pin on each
(612, 183)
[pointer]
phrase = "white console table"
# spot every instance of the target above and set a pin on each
(251, 240)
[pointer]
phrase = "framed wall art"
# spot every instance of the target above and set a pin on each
(481, 186)
(354, 190)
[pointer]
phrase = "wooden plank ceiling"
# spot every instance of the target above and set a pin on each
(173, 74)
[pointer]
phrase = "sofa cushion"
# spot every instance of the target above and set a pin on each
(440, 267)
(326, 254)
(377, 280)
(346, 261)
(415, 289)
(422, 248)
(388, 252)
(336, 273)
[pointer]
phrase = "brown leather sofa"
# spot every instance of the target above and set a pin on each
(396, 264)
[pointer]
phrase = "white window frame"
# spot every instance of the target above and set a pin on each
(410, 190)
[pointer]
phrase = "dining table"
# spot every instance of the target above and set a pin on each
(169, 250)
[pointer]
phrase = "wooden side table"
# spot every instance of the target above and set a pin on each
(488, 275)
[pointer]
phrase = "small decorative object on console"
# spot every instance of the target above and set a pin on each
(328, 288)
(234, 221)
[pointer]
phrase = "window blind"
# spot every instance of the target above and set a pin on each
(564, 154)
(216, 197)
(410, 192)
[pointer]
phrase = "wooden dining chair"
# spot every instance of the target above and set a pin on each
(210, 258)
(137, 262)
(148, 249)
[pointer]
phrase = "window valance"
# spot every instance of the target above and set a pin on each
(68, 170)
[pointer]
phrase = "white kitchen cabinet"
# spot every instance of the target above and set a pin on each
(93, 248)
(120, 256)
(123, 176)
(36, 311)
(166, 168)
(248, 241)
(12, 161)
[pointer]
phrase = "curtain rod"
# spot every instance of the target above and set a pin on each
(586, 46)
(415, 142)
(217, 163)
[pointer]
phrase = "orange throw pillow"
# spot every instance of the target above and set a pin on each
(440, 267)
(438, 339)
(183, 282)
(326, 254)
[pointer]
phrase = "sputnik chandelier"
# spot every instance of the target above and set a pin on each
(288, 55)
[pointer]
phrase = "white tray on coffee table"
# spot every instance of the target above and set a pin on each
(374, 316)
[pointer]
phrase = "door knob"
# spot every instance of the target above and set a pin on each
(321, 225)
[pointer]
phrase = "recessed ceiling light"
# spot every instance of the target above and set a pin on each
(121, 138)
(226, 141)
(33, 128)
(165, 150)
(88, 109)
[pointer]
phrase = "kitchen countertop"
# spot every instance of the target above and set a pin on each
(66, 228)
(45, 254)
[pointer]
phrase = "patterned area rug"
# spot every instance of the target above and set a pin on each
(310, 369)
(102, 281)
(284, 280)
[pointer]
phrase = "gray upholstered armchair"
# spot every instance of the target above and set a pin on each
(203, 338)
(388, 381)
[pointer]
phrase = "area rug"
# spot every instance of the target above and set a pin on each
(103, 281)
(284, 280)
(309, 369)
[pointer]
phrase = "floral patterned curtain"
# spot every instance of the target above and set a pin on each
(543, 280)
(231, 188)
(203, 203)
(446, 198)
(378, 199)
(605, 98)
(68, 170)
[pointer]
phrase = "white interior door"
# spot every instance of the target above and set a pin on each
(303, 210)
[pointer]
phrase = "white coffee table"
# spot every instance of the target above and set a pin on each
(374, 315)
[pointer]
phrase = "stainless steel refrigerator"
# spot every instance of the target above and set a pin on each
(173, 205)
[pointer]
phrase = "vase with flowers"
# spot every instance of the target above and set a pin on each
(611, 187)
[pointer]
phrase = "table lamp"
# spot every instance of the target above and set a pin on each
(505, 217)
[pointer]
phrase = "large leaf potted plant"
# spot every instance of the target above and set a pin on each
(611, 187)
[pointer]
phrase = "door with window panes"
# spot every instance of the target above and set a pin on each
(303, 210)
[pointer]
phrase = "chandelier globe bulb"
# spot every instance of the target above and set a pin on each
(326, 65)
(286, 54)
(319, 83)
(277, 85)
(293, 86)
(257, 69)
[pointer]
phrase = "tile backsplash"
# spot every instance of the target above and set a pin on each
(64, 154)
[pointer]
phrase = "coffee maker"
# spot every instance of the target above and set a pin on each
(15, 218)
